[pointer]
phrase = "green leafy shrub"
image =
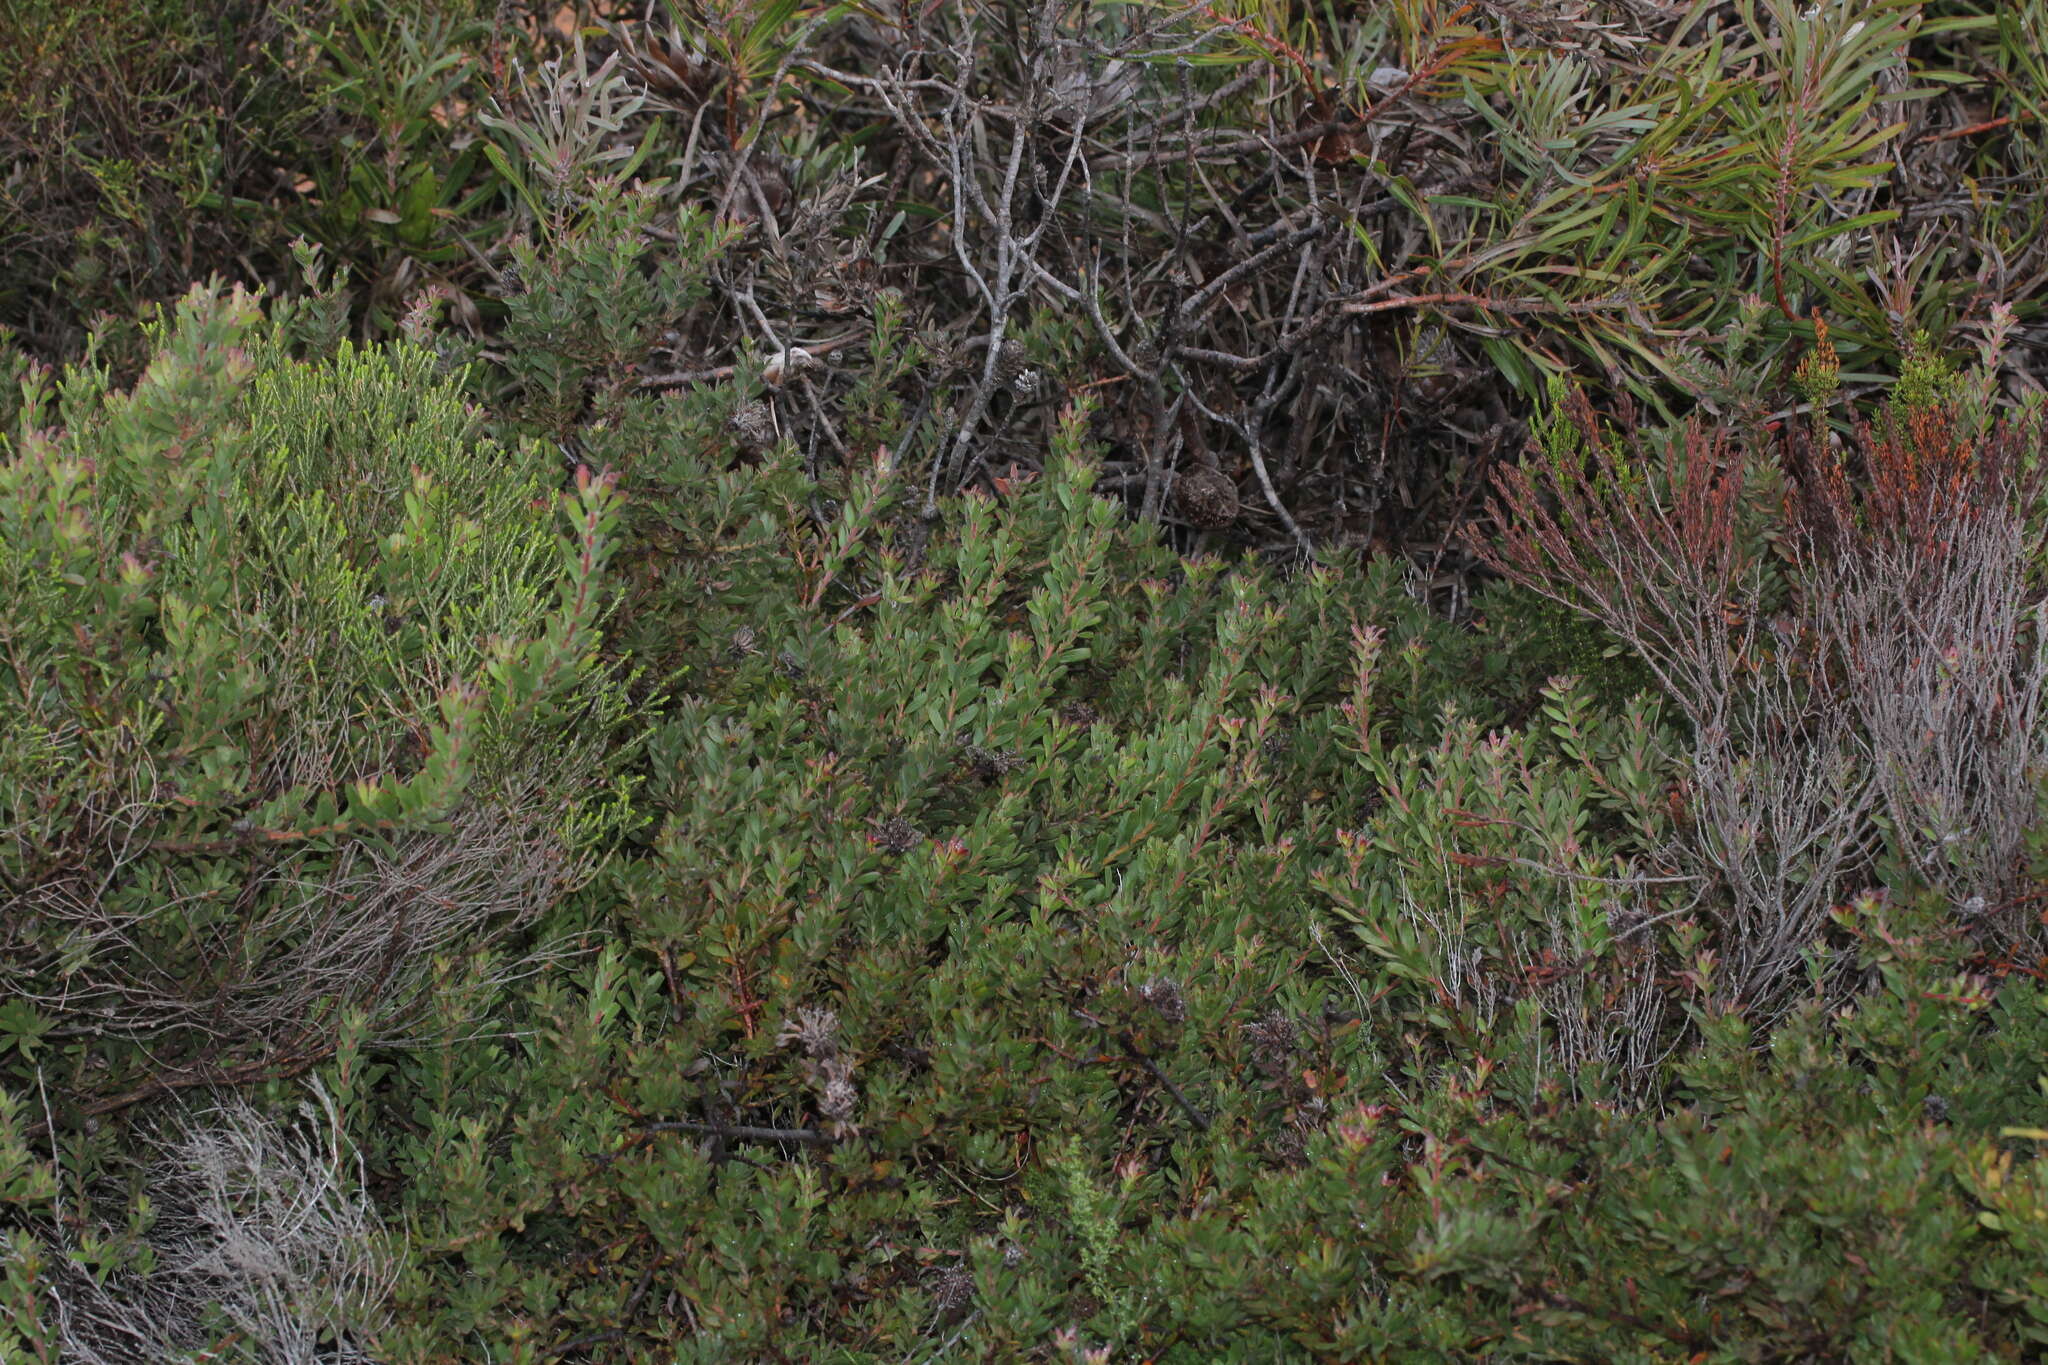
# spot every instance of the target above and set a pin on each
(142, 137)
(1047, 945)
(303, 708)
(1018, 941)
(860, 893)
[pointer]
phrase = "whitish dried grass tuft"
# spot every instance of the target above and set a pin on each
(263, 1238)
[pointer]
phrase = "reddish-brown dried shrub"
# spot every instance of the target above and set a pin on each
(1846, 624)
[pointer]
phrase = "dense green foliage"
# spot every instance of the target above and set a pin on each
(1014, 929)
(508, 856)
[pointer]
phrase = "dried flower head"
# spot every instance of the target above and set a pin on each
(814, 1028)
(1012, 360)
(1290, 1146)
(753, 427)
(894, 835)
(952, 1290)
(1163, 995)
(992, 765)
(1273, 1039)
(837, 1097)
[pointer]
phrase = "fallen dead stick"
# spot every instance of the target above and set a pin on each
(1989, 125)
(740, 1132)
(771, 373)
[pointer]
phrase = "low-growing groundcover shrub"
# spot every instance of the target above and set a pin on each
(705, 910)
(731, 800)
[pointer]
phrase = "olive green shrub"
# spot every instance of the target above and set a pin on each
(1046, 947)
(1043, 945)
(738, 900)
(303, 708)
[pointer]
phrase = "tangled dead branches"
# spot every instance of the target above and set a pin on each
(221, 979)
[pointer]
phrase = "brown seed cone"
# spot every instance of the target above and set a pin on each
(1011, 360)
(1205, 499)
